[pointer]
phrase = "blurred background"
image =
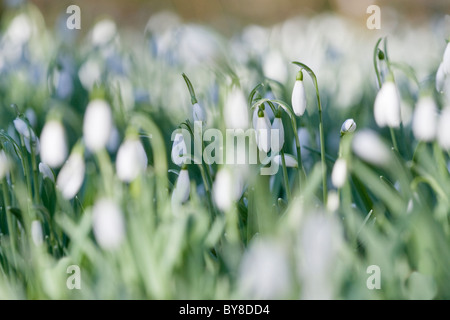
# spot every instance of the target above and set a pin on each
(228, 16)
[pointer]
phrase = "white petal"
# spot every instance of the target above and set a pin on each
(443, 133)
(179, 150)
(108, 224)
(290, 160)
(263, 134)
(46, 171)
(182, 189)
(349, 125)
(440, 79)
(425, 119)
(339, 173)
(53, 144)
(387, 106)
(368, 146)
(36, 232)
(71, 177)
(97, 124)
(198, 113)
(277, 135)
(131, 160)
(21, 127)
(236, 111)
(299, 98)
(446, 60)
(4, 164)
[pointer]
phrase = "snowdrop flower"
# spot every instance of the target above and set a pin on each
(387, 106)
(443, 131)
(440, 79)
(227, 188)
(290, 160)
(29, 137)
(198, 113)
(255, 115)
(46, 172)
(179, 150)
(36, 232)
(113, 140)
(108, 224)
(53, 144)
(349, 125)
(182, 189)
(299, 96)
(339, 173)
(263, 132)
(31, 116)
(333, 201)
(90, 73)
(264, 272)
(236, 112)
(425, 119)
(274, 67)
(131, 159)
(368, 146)
(277, 134)
(71, 177)
(97, 125)
(446, 60)
(103, 32)
(4, 164)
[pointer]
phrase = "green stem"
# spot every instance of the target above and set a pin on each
(26, 169)
(35, 176)
(285, 175)
(394, 139)
(9, 220)
(321, 131)
(190, 88)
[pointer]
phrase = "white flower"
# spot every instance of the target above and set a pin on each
(349, 125)
(179, 150)
(103, 32)
(446, 60)
(227, 188)
(198, 113)
(131, 160)
(236, 112)
(71, 177)
(31, 116)
(22, 127)
(387, 106)
(264, 272)
(46, 171)
(4, 164)
(53, 144)
(443, 131)
(290, 160)
(368, 146)
(333, 201)
(440, 79)
(36, 232)
(97, 124)
(90, 73)
(277, 135)
(263, 134)
(274, 66)
(425, 119)
(255, 116)
(182, 189)
(108, 224)
(28, 135)
(339, 173)
(299, 98)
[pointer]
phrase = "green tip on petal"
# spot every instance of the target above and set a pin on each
(260, 113)
(299, 76)
(380, 54)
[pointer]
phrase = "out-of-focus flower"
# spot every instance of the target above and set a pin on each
(53, 144)
(425, 119)
(236, 112)
(277, 135)
(198, 113)
(443, 130)
(290, 160)
(387, 106)
(131, 160)
(90, 73)
(349, 125)
(179, 150)
(97, 125)
(182, 189)
(368, 146)
(264, 272)
(30, 114)
(36, 232)
(299, 96)
(339, 173)
(440, 79)
(46, 172)
(103, 32)
(4, 164)
(228, 187)
(71, 177)
(108, 224)
(274, 67)
(263, 132)
(446, 60)
(29, 137)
